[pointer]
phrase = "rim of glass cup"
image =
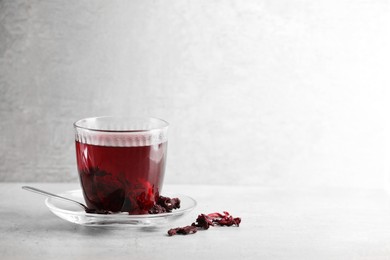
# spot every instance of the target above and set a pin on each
(164, 124)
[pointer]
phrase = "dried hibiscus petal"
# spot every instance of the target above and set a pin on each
(165, 204)
(205, 221)
(157, 209)
(183, 230)
(168, 203)
(224, 219)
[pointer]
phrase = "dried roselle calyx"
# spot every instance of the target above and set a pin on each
(205, 221)
(175, 202)
(183, 230)
(169, 203)
(165, 204)
(157, 209)
(224, 219)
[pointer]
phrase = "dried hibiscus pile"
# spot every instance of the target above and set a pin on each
(162, 205)
(205, 221)
(114, 193)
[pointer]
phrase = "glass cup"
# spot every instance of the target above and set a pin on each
(121, 162)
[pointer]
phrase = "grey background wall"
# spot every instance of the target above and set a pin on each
(277, 93)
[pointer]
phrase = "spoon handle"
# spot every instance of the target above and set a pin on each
(48, 194)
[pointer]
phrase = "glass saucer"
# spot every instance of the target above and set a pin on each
(75, 214)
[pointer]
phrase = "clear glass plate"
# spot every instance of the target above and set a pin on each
(75, 214)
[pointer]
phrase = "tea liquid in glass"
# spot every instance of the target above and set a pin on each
(127, 179)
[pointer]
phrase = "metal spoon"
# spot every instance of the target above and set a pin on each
(48, 194)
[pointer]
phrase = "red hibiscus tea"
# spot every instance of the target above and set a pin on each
(121, 162)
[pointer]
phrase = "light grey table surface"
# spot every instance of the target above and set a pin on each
(321, 223)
